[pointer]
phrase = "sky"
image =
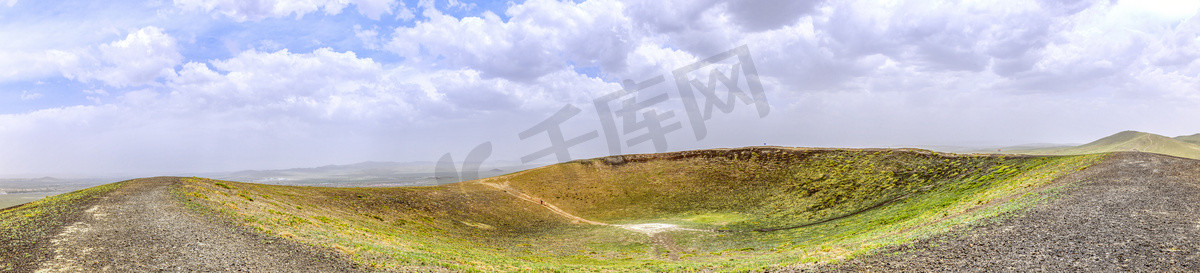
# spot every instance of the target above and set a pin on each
(156, 87)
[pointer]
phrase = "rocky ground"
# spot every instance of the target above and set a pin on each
(1133, 212)
(140, 227)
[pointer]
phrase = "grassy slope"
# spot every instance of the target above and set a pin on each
(1193, 139)
(848, 202)
(22, 227)
(1129, 141)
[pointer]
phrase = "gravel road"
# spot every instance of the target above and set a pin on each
(1132, 212)
(140, 227)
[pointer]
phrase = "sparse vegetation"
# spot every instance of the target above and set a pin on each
(24, 226)
(222, 185)
(753, 208)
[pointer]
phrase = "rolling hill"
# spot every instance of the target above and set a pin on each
(365, 174)
(1193, 139)
(1131, 141)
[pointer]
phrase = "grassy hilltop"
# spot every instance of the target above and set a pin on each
(1183, 146)
(735, 209)
(1193, 139)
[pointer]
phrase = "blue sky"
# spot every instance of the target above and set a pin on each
(162, 87)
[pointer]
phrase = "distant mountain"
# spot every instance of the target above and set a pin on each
(1193, 139)
(420, 173)
(1019, 148)
(1132, 141)
(364, 169)
(51, 183)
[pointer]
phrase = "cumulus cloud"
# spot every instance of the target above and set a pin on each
(321, 85)
(254, 104)
(837, 72)
(1103, 48)
(326, 84)
(541, 36)
(948, 37)
(141, 58)
(261, 9)
(32, 65)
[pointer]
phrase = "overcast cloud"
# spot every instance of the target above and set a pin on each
(164, 87)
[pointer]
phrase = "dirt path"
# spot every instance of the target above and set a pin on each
(514, 192)
(140, 227)
(1132, 212)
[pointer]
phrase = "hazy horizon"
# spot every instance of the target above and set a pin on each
(199, 86)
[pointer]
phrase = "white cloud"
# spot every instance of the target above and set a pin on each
(767, 15)
(313, 85)
(258, 10)
(95, 95)
(1165, 9)
(405, 14)
(99, 92)
(141, 58)
(960, 36)
(369, 37)
(277, 109)
(326, 84)
(1108, 48)
(18, 66)
(842, 72)
(459, 5)
(675, 16)
(540, 37)
(26, 95)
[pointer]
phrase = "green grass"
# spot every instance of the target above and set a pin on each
(1193, 139)
(716, 219)
(825, 205)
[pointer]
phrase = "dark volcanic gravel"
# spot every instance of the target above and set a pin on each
(140, 227)
(1132, 212)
